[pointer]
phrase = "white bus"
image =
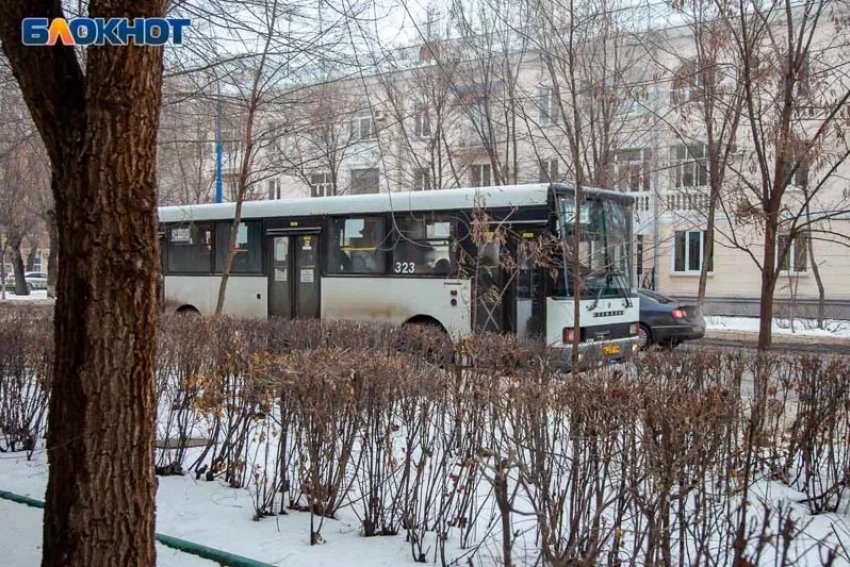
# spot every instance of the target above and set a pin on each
(404, 258)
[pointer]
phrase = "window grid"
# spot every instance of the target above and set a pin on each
(633, 170)
(480, 175)
(322, 185)
(796, 255)
(548, 171)
(548, 109)
(688, 251)
(689, 165)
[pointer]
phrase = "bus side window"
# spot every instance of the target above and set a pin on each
(356, 245)
(190, 248)
(423, 245)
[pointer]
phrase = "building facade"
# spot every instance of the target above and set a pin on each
(640, 111)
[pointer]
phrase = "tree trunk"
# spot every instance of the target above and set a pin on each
(31, 258)
(768, 286)
(707, 252)
(3, 274)
(52, 242)
(244, 170)
(100, 131)
(18, 266)
(819, 282)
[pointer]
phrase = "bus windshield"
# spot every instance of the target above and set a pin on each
(603, 248)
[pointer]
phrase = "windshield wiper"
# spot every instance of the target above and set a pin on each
(608, 273)
(623, 291)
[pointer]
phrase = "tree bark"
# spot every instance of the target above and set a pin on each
(52, 242)
(100, 132)
(31, 258)
(18, 266)
(768, 286)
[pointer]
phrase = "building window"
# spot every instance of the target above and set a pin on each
(547, 105)
(248, 253)
(478, 114)
(423, 246)
(633, 170)
(364, 181)
(231, 137)
(363, 126)
(190, 248)
(796, 255)
(800, 178)
(689, 165)
(687, 84)
(688, 250)
(274, 189)
(356, 246)
(421, 122)
(231, 185)
(421, 179)
(479, 175)
(322, 185)
(548, 171)
(634, 100)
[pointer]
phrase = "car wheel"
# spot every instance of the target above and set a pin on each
(644, 337)
(29, 287)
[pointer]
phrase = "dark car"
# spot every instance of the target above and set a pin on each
(665, 321)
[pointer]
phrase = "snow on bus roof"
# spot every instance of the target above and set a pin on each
(441, 199)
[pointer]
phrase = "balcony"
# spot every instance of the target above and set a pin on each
(686, 202)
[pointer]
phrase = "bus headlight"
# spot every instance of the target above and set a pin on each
(633, 329)
(567, 335)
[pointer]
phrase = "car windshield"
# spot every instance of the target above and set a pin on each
(605, 228)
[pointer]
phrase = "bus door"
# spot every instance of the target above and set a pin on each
(294, 275)
(526, 292)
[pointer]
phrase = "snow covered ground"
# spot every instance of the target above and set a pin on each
(801, 327)
(212, 514)
(20, 540)
(207, 513)
(35, 295)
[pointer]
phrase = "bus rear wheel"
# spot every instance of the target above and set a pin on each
(434, 333)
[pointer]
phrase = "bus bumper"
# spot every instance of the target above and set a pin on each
(600, 353)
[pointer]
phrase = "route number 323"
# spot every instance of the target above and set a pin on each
(405, 267)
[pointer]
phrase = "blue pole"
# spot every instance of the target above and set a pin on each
(218, 154)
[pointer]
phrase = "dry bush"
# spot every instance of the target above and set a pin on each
(485, 451)
(26, 360)
(184, 358)
(815, 444)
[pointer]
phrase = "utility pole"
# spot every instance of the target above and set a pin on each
(218, 152)
(654, 163)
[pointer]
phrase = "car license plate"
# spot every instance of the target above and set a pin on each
(611, 349)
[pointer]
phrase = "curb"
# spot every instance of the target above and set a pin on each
(202, 551)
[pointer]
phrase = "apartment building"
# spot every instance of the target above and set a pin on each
(448, 114)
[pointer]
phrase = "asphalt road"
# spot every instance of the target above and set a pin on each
(809, 347)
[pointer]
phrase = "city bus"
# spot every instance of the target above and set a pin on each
(464, 260)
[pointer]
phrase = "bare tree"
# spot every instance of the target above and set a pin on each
(588, 65)
(99, 129)
(186, 144)
(793, 71)
(254, 53)
(23, 178)
(706, 103)
(318, 136)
